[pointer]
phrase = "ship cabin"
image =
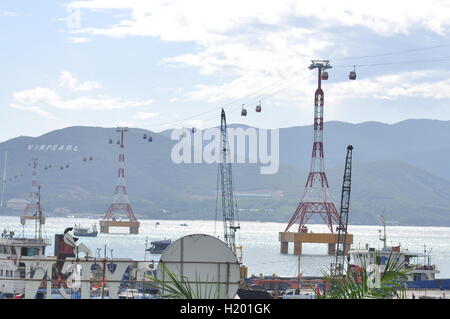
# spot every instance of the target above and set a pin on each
(12, 270)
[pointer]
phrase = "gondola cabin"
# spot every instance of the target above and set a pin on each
(258, 107)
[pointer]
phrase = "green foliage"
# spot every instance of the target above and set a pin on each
(178, 287)
(362, 284)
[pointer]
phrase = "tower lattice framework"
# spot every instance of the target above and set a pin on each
(32, 208)
(120, 202)
(316, 198)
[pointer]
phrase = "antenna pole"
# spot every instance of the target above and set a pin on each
(39, 213)
(4, 179)
(384, 239)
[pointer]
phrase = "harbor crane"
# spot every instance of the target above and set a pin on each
(225, 178)
(341, 245)
(226, 184)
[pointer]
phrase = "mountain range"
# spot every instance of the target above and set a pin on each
(399, 169)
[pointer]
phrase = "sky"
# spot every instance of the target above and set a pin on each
(162, 64)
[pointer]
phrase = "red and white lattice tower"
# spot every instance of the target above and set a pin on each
(32, 207)
(120, 202)
(316, 198)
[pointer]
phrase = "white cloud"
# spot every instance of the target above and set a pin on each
(38, 99)
(67, 80)
(48, 97)
(197, 20)
(252, 44)
(78, 40)
(146, 115)
(418, 84)
(5, 13)
(34, 109)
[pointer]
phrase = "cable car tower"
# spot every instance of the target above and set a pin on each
(316, 200)
(120, 202)
(32, 208)
(338, 269)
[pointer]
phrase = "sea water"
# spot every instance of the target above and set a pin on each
(261, 248)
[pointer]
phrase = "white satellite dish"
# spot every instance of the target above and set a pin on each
(203, 262)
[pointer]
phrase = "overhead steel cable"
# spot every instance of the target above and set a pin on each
(429, 60)
(280, 83)
(391, 53)
(275, 84)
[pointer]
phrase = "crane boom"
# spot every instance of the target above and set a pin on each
(338, 268)
(226, 183)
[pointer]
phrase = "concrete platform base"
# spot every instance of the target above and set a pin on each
(105, 224)
(299, 238)
(24, 218)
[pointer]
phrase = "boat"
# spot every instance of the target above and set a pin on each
(158, 247)
(410, 261)
(13, 251)
(184, 224)
(85, 231)
(417, 264)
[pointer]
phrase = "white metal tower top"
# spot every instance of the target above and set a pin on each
(323, 64)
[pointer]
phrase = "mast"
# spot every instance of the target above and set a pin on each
(4, 179)
(384, 238)
(38, 224)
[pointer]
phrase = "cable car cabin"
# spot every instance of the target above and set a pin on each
(324, 75)
(110, 141)
(90, 158)
(62, 167)
(118, 142)
(67, 166)
(352, 75)
(84, 159)
(150, 138)
(193, 130)
(145, 136)
(258, 108)
(244, 112)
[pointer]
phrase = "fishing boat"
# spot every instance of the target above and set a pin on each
(85, 231)
(13, 251)
(158, 247)
(417, 265)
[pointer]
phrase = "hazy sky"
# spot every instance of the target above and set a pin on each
(161, 64)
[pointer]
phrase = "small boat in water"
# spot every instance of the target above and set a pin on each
(158, 247)
(85, 231)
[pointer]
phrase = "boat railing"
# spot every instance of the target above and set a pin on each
(36, 240)
(421, 267)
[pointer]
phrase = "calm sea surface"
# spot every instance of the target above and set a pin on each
(259, 241)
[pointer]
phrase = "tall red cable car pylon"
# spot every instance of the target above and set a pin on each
(316, 198)
(120, 202)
